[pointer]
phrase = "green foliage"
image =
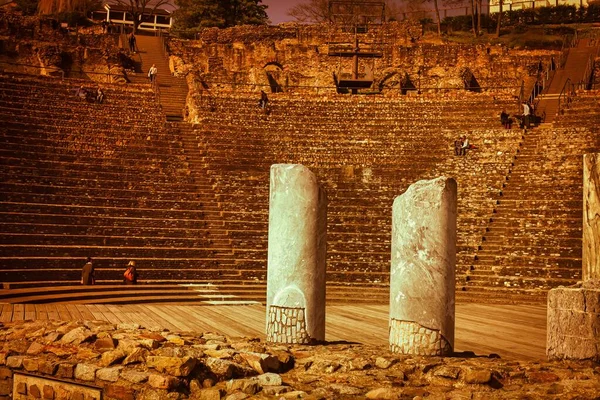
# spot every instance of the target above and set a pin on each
(73, 18)
(520, 21)
(27, 7)
(195, 14)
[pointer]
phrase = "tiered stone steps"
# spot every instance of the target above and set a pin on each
(110, 191)
(365, 152)
(173, 90)
(533, 242)
(207, 293)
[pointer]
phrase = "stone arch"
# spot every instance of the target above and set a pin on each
(275, 74)
(470, 81)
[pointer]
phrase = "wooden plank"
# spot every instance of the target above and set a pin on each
(52, 312)
(119, 312)
(107, 314)
(85, 312)
(164, 313)
(7, 312)
(151, 315)
(63, 313)
(75, 314)
(250, 318)
(29, 312)
(18, 312)
(98, 315)
(40, 312)
(200, 317)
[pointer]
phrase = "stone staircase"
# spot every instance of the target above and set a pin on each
(172, 90)
(573, 71)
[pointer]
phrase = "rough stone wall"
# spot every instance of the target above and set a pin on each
(292, 56)
(128, 362)
(38, 46)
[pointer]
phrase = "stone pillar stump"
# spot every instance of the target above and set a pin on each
(296, 256)
(422, 271)
(591, 217)
(573, 330)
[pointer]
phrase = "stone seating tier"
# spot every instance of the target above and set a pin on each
(115, 187)
(344, 140)
(338, 140)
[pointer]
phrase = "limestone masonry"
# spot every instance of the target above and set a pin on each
(129, 362)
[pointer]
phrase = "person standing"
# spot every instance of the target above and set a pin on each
(132, 42)
(130, 276)
(526, 115)
(152, 73)
(99, 96)
(264, 100)
(87, 273)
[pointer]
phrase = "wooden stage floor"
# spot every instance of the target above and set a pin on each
(511, 331)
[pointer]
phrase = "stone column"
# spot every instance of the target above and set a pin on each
(574, 312)
(422, 273)
(591, 217)
(296, 259)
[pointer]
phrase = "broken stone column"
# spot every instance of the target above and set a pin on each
(591, 217)
(422, 272)
(573, 330)
(296, 256)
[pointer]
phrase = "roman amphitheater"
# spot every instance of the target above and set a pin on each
(174, 175)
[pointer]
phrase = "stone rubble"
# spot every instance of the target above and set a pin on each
(248, 368)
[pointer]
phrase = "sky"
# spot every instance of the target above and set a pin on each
(277, 10)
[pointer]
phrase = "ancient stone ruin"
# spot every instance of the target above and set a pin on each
(422, 271)
(297, 249)
(574, 312)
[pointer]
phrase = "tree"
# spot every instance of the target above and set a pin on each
(316, 11)
(55, 7)
(499, 18)
(311, 11)
(27, 7)
(219, 13)
(139, 8)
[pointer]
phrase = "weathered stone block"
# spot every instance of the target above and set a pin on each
(31, 364)
(5, 373)
(47, 367)
(15, 362)
(48, 392)
(86, 372)
(120, 392)
(6, 387)
(109, 374)
(172, 365)
(65, 370)
(35, 392)
(572, 330)
(163, 381)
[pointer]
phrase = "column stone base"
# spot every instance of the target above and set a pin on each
(287, 325)
(408, 337)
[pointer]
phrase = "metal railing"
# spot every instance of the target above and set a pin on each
(566, 96)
